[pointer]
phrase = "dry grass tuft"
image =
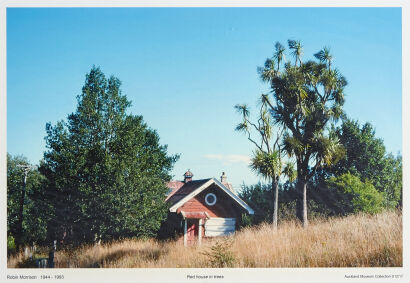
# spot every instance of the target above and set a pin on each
(354, 241)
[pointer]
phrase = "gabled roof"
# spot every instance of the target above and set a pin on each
(193, 188)
(173, 186)
(185, 190)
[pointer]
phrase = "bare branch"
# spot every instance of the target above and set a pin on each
(249, 138)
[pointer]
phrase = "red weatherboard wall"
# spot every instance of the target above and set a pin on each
(224, 207)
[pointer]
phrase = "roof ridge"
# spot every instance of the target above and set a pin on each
(201, 187)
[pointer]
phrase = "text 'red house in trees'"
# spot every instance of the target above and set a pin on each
(204, 208)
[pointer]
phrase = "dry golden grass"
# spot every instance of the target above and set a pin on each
(354, 241)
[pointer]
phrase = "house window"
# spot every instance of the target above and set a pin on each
(210, 199)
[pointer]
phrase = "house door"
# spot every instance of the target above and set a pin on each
(192, 230)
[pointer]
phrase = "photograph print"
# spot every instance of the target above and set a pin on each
(219, 137)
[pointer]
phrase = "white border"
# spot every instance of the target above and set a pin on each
(202, 3)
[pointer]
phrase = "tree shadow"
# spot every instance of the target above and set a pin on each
(145, 254)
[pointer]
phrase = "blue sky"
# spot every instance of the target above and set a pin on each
(185, 68)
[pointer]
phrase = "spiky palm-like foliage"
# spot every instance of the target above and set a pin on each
(324, 56)
(268, 71)
(279, 54)
(297, 50)
(266, 160)
(266, 164)
(290, 171)
(307, 97)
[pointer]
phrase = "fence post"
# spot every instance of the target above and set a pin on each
(51, 255)
(26, 253)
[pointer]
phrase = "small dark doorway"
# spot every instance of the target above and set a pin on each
(192, 230)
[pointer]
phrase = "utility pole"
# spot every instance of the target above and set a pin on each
(26, 169)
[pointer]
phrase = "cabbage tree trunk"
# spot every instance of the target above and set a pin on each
(275, 190)
(301, 202)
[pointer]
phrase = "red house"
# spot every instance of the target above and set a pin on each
(204, 208)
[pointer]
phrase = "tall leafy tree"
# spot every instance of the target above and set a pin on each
(366, 157)
(307, 97)
(106, 168)
(267, 157)
(259, 197)
(26, 212)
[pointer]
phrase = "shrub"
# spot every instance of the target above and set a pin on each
(355, 196)
(11, 245)
(260, 198)
(221, 254)
(247, 220)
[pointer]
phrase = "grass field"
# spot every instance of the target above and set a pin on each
(353, 241)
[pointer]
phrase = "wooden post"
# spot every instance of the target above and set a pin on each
(200, 232)
(26, 253)
(51, 255)
(185, 233)
(19, 236)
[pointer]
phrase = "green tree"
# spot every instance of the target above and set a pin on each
(366, 157)
(267, 158)
(394, 185)
(259, 197)
(354, 195)
(307, 98)
(106, 168)
(30, 226)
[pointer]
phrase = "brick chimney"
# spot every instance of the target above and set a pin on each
(188, 176)
(224, 181)
(223, 178)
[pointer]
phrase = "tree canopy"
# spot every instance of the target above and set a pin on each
(106, 169)
(267, 157)
(32, 227)
(355, 195)
(366, 158)
(307, 97)
(365, 179)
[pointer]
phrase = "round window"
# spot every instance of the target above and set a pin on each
(210, 199)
